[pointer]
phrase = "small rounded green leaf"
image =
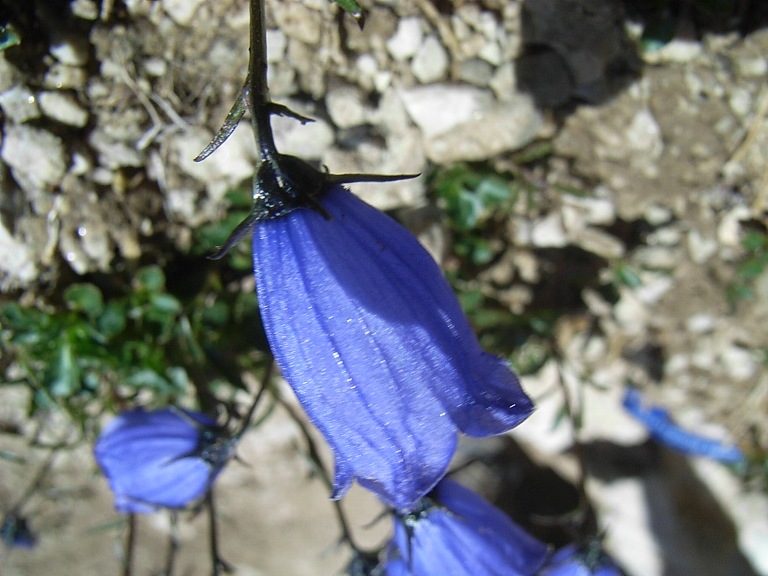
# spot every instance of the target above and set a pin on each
(112, 320)
(151, 278)
(85, 298)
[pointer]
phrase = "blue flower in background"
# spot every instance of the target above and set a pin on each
(166, 458)
(589, 560)
(372, 339)
(457, 533)
(16, 533)
(665, 431)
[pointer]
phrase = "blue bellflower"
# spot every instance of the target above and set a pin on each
(373, 341)
(455, 532)
(589, 560)
(665, 431)
(16, 533)
(166, 458)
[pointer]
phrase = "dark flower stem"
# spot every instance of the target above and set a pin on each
(264, 386)
(314, 456)
(173, 543)
(219, 565)
(586, 520)
(258, 90)
(36, 482)
(130, 545)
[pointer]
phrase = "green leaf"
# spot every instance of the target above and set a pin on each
(240, 198)
(215, 234)
(112, 320)
(146, 378)
(62, 379)
(627, 276)
(165, 304)
(178, 377)
(493, 191)
(151, 279)
(482, 253)
(8, 37)
(751, 269)
(84, 298)
(216, 315)
(352, 8)
(755, 242)
(15, 317)
(471, 300)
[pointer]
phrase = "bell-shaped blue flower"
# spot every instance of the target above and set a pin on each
(373, 341)
(588, 560)
(16, 533)
(166, 458)
(455, 532)
(665, 431)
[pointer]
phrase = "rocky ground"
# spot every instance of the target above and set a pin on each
(647, 161)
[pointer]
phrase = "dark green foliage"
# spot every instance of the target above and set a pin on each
(211, 237)
(754, 264)
(93, 353)
(473, 200)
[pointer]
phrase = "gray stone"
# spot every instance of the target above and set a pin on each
(181, 11)
(407, 39)
(277, 44)
(36, 157)
(309, 141)
(345, 106)
(501, 128)
(17, 268)
(431, 61)
(596, 241)
(63, 108)
(85, 9)
(71, 51)
(700, 247)
(438, 108)
(19, 104)
(63, 77)
(476, 72)
(549, 232)
(299, 22)
(229, 165)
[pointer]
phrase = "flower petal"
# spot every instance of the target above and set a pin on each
(373, 341)
(466, 536)
(665, 431)
(150, 459)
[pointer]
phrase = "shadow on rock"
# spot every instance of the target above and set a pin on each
(575, 51)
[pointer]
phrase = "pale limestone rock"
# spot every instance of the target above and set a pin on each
(407, 39)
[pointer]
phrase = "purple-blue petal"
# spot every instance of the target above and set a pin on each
(16, 533)
(665, 431)
(465, 536)
(373, 341)
(151, 460)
